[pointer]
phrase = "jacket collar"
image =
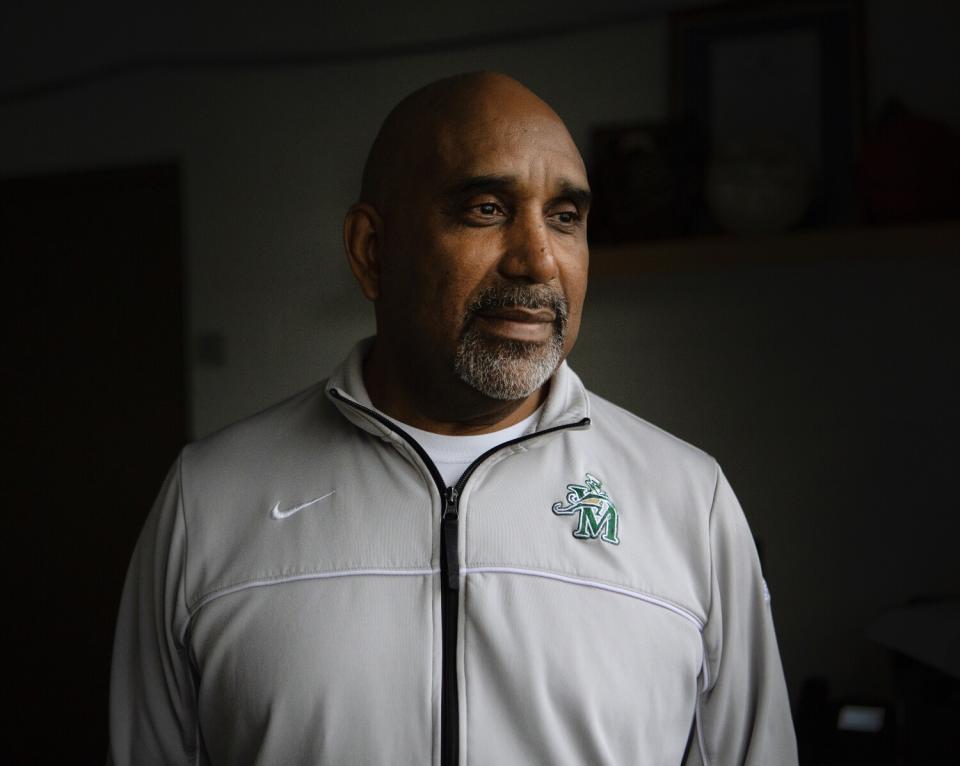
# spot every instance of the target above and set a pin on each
(567, 400)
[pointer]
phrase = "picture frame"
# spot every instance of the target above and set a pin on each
(785, 73)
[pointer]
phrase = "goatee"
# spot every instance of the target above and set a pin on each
(504, 369)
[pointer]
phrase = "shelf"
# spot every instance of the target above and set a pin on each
(803, 245)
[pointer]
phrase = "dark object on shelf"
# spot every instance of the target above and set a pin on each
(910, 169)
(647, 181)
(785, 73)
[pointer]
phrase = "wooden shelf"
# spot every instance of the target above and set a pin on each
(803, 245)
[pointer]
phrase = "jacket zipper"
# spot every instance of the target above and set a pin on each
(449, 568)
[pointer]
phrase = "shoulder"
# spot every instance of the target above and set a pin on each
(274, 448)
(661, 472)
(231, 480)
(663, 452)
(664, 490)
(287, 425)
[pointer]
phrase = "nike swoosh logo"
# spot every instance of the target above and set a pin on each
(276, 513)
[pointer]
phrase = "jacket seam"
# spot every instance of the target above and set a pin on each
(181, 508)
(574, 579)
(300, 573)
(227, 590)
(304, 574)
(712, 570)
(698, 719)
(184, 649)
(590, 578)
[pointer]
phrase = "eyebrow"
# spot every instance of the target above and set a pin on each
(577, 194)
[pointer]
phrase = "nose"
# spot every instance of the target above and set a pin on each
(529, 253)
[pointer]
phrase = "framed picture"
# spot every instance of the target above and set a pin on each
(775, 90)
(647, 180)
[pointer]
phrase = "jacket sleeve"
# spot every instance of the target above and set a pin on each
(743, 713)
(152, 718)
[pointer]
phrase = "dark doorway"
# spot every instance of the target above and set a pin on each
(95, 367)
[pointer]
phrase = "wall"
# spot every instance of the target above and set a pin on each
(826, 391)
(272, 161)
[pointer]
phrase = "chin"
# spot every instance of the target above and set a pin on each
(506, 369)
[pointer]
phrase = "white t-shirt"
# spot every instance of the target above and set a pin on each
(453, 454)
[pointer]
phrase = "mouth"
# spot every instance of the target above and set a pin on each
(518, 323)
(527, 314)
(519, 314)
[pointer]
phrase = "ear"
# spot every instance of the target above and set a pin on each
(362, 239)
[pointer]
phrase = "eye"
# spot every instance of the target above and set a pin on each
(488, 208)
(483, 212)
(567, 218)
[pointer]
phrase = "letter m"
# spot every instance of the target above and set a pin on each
(605, 527)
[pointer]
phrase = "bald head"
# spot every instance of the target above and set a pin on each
(432, 121)
(470, 239)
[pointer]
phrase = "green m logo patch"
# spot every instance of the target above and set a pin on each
(598, 514)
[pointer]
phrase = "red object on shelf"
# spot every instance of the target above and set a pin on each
(910, 169)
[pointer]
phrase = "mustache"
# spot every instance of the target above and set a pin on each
(521, 296)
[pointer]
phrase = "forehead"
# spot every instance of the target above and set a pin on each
(532, 146)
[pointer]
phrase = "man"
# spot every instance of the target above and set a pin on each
(451, 552)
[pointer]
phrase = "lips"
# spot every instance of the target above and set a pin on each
(519, 314)
(523, 313)
(518, 324)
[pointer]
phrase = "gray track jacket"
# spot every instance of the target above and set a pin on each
(593, 596)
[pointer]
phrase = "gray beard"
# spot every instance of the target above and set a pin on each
(510, 370)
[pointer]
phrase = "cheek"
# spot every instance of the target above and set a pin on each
(575, 284)
(572, 331)
(454, 269)
(576, 288)
(442, 299)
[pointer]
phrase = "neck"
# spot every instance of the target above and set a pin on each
(445, 406)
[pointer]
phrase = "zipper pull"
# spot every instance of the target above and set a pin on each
(448, 531)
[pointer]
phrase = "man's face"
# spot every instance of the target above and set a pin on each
(486, 263)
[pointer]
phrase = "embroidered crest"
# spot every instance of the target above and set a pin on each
(598, 515)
